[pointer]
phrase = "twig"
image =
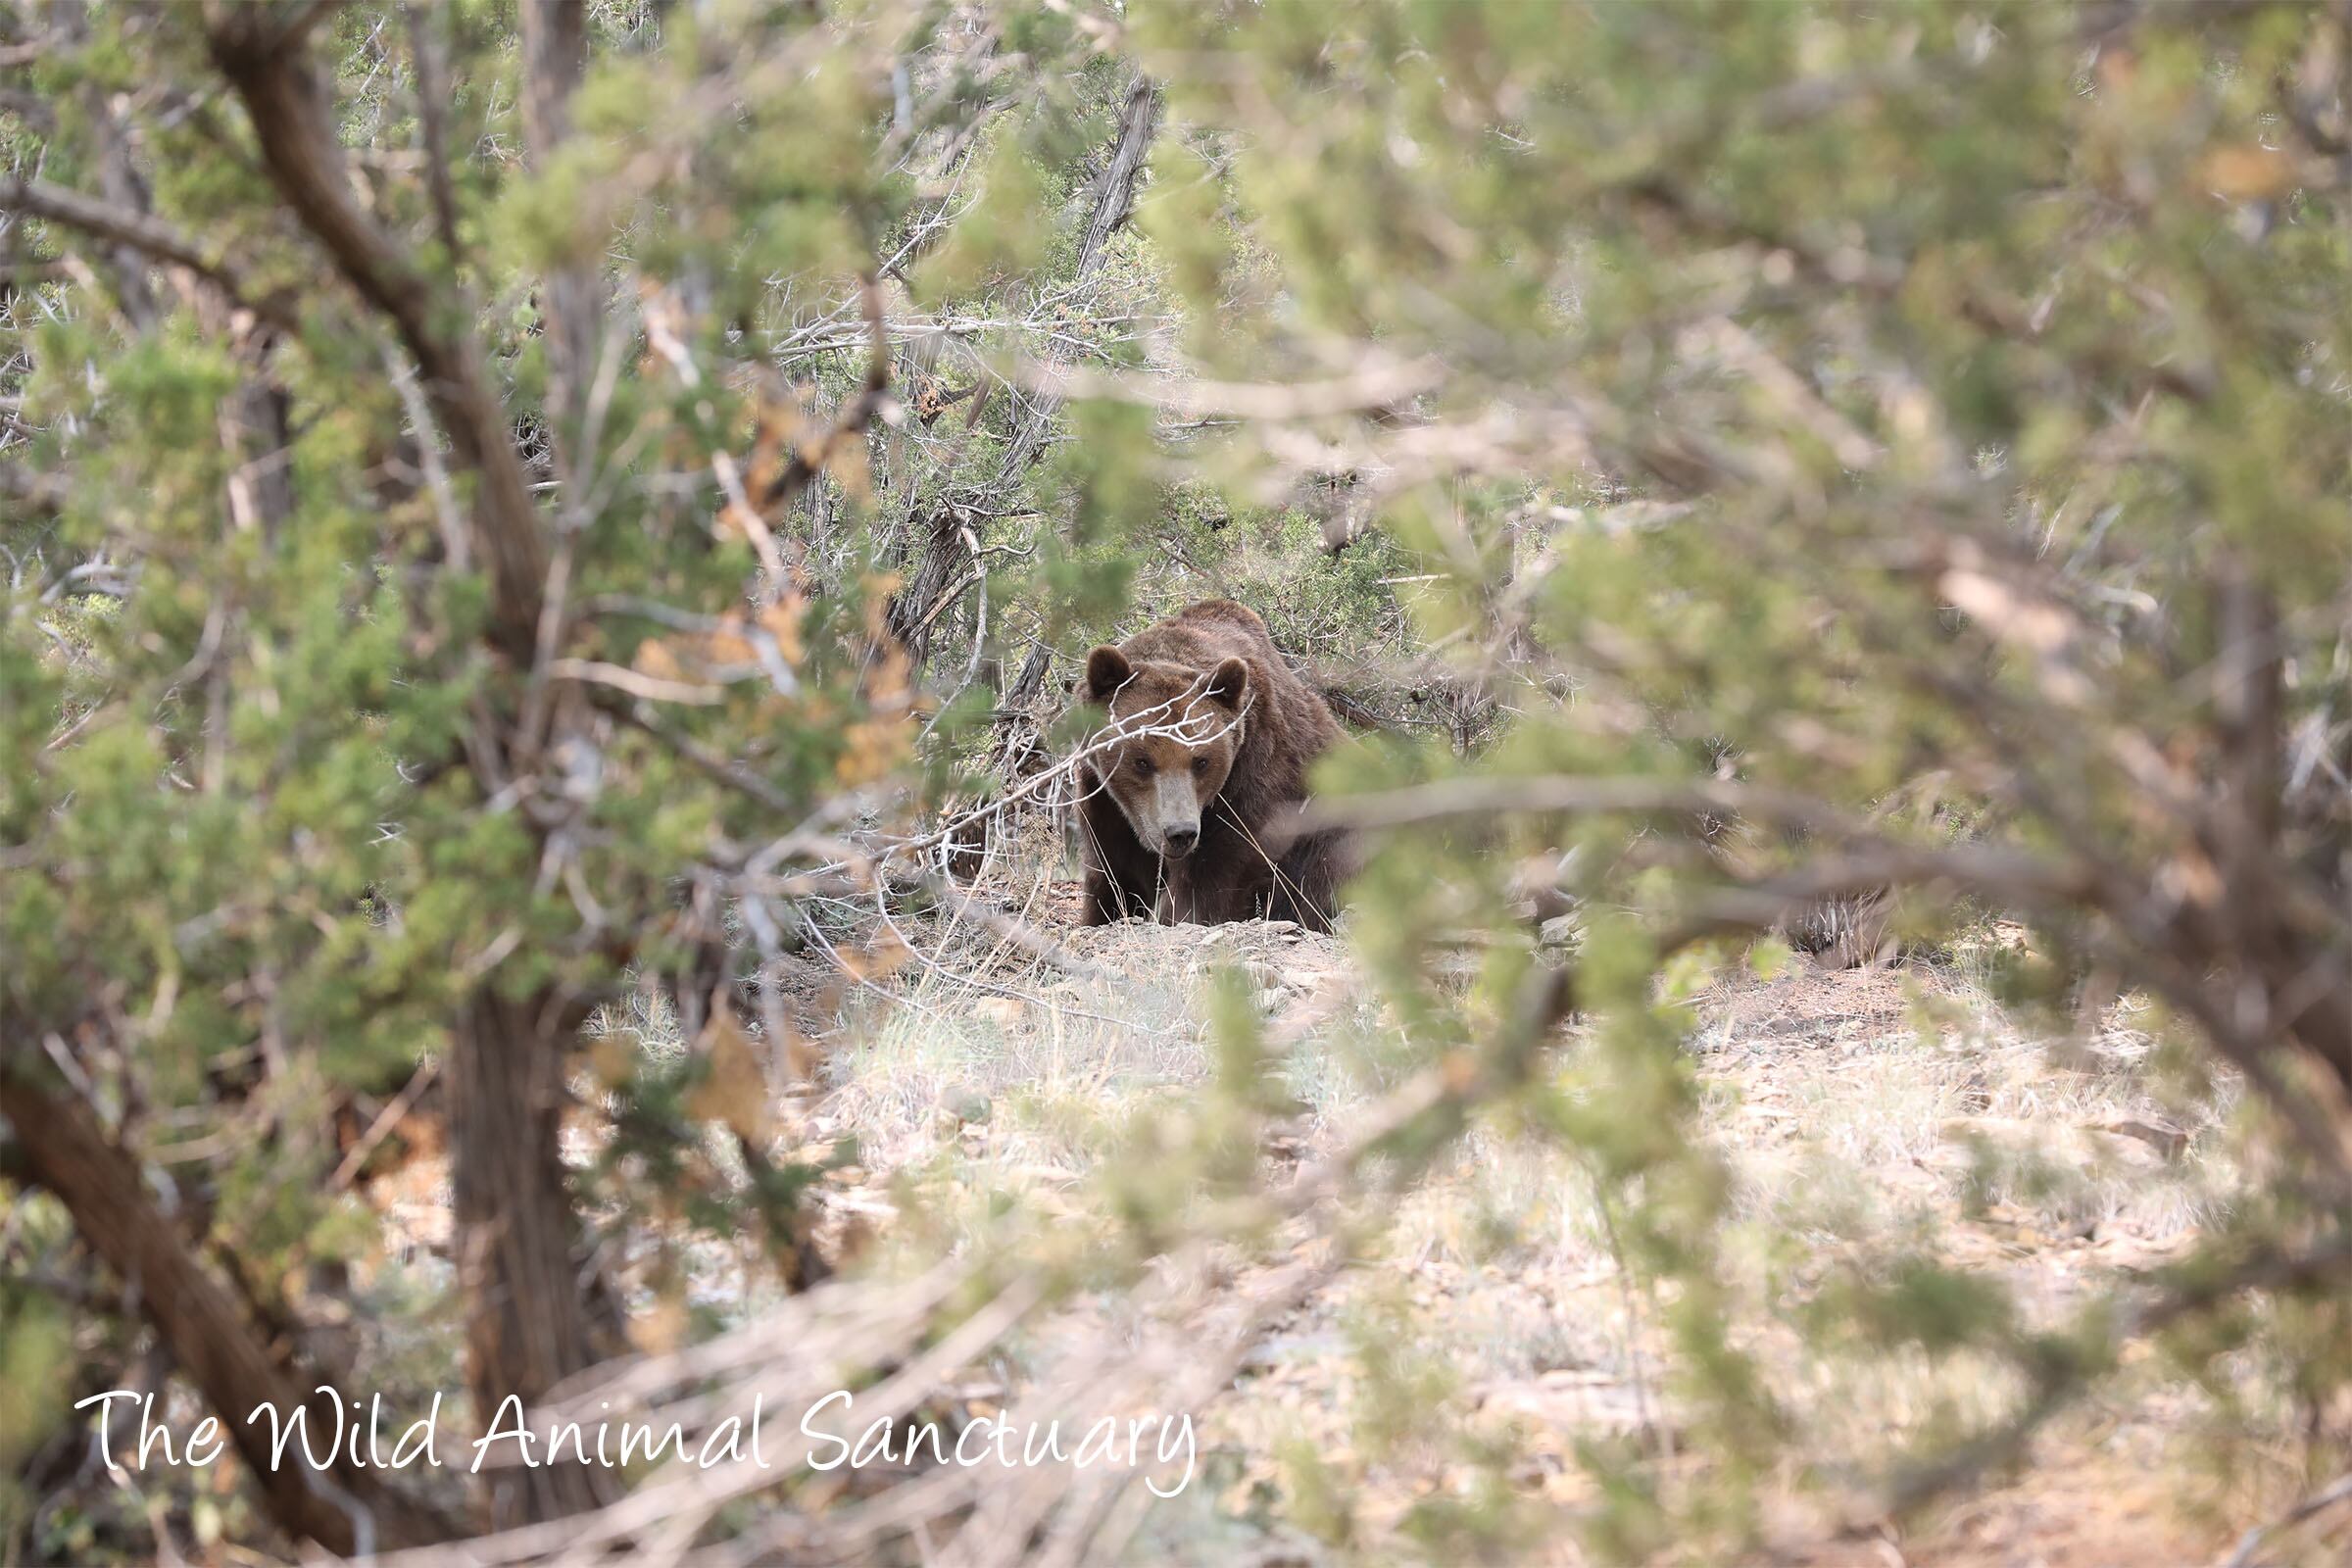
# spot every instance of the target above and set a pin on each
(382, 1127)
(651, 688)
(2316, 1503)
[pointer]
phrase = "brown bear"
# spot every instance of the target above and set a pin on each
(1182, 811)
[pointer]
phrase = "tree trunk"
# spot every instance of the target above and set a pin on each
(526, 1320)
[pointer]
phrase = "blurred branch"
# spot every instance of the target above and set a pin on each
(808, 460)
(257, 48)
(2012, 879)
(814, 1342)
(1114, 199)
(2059, 1371)
(140, 231)
(517, 1230)
(711, 762)
(947, 568)
(432, 107)
(34, 492)
(638, 684)
(555, 57)
(1487, 796)
(2311, 1508)
(1886, 278)
(1381, 382)
(347, 1510)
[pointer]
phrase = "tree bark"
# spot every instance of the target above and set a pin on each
(527, 1322)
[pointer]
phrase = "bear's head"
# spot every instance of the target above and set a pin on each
(1175, 732)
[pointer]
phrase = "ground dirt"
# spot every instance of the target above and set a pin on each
(1854, 1109)
(1853, 1106)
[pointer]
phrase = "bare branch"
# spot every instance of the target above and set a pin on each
(1487, 796)
(293, 123)
(140, 231)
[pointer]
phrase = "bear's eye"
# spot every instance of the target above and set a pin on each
(1200, 767)
(1143, 767)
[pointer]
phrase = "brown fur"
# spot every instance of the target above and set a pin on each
(1251, 730)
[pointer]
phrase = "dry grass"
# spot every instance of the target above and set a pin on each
(1489, 1330)
(1859, 1112)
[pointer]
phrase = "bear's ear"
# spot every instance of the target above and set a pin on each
(1107, 671)
(1229, 683)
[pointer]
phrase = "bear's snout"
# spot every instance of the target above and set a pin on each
(1175, 813)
